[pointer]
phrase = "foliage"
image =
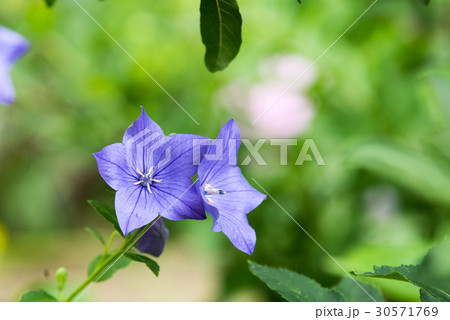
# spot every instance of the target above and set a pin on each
(295, 287)
(432, 275)
(382, 88)
(220, 25)
(37, 296)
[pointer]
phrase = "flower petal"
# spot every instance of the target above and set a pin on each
(230, 207)
(180, 155)
(222, 152)
(239, 195)
(143, 126)
(12, 47)
(179, 200)
(154, 239)
(235, 227)
(229, 210)
(7, 93)
(113, 168)
(135, 208)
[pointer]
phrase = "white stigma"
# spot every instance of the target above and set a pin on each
(209, 190)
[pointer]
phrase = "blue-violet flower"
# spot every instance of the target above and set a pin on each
(226, 194)
(151, 174)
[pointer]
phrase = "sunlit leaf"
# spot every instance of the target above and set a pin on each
(432, 275)
(220, 25)
(37, 296)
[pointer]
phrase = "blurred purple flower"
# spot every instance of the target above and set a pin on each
(12, 47)
(152, 175)
(154, 239)
(227, 196)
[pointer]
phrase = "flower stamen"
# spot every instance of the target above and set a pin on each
(146, 179)
(209, 190)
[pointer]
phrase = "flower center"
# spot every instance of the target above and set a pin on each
(209, 190)
(146, 180)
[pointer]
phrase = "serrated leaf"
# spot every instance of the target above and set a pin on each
(50, 2)
(221, 28)
(150, 263)
(106, 212)
(292, 286)
(121, 263)
(96, 234)
(432, 275)
(352, 292)
(37, 296)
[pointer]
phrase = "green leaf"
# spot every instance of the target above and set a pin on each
(121, 263)
(151, 264)
(37, 296)
(106, 212)
(221, 27)
(50, 2)
(96, 234)
(425, 297)
(425, 2)
(293, 286)
(432, 275)
(351, 292)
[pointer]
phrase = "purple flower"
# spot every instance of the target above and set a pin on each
(227, 196)
(152, 175)
(154, 239)
(12, 47)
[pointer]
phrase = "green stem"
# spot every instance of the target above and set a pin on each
(107, 246)
(105, 264)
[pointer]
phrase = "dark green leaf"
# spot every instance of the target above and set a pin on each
(220, 24)
(425, 2)
(351, 292)
(50, 2)
(293, 286)
(151, 264)
(37, 296)
(121, 263)
(106, 212)
(425, 297)
(96, 234)
(432, 275)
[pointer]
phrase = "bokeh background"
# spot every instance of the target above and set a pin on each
(376, 105)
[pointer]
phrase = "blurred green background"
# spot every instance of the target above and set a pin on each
(381, 111)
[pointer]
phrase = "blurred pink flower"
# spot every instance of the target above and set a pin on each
(288, 68)
(289, 117)
(293, 111)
